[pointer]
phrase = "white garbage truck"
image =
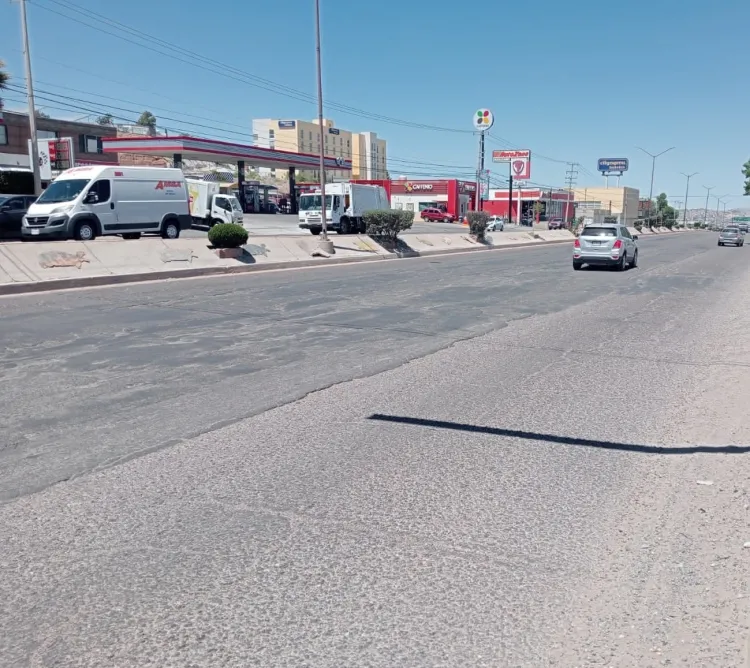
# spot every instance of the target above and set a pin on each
(210, 206)
(345, 206)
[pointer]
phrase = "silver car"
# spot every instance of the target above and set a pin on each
(608, 244)
(731, 236)
(496, 224)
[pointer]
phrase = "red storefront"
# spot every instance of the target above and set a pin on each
(554, 203)
(451, 195)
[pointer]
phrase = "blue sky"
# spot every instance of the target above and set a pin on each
(571, 81)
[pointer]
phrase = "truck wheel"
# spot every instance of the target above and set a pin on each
(85, 231)
(315, 230)
(170, 230)
(344, 229)
(214, 221)
(362, 227)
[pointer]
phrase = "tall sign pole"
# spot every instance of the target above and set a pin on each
(30, 97)
(483, 121)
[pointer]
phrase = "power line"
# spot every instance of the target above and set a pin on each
(74, 103)
(222, 69)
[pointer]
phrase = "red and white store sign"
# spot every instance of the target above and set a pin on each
(520, 162)
(419, 187)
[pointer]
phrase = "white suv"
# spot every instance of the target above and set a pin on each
(608, 244)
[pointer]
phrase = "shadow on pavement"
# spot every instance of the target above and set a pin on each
(565, 440)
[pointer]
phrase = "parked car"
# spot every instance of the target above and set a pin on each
(609, 244)
(436, 215)
(555, 224)
(496, 224)
(12, 210)
(731, 236)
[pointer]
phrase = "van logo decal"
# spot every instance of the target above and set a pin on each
(168, 184)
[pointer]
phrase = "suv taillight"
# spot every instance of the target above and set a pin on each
(577, 243)
(617, 244)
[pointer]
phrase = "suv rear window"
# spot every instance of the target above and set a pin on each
(599, 232)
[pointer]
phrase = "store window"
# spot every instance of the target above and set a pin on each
(3, 135)
(89, 144)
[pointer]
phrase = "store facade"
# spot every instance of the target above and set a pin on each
(450, 195)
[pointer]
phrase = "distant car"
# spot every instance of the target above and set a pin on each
(744, 227)
(731, 236)
(496, 224)
(608, 244)
(555, 224)
(436, 215)
(12, 210)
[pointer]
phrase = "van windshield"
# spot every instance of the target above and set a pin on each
(63, 191)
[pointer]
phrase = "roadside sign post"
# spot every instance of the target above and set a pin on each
(483, 121)
(519, 168)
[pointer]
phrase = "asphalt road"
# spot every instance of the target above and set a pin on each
(470, 460)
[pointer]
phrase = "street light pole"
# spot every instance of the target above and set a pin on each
(325, 243)
(687, 191)
(705, 210)
(32, 105)
(654, 156)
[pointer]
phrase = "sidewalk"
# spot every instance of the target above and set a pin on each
(39, 266)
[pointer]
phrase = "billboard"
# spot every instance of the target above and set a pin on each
(483, 120)
(520, 162)
(612, 165)
(287, 125)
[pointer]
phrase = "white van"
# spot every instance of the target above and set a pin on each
(86, 202)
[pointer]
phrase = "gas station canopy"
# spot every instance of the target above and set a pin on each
(195, 148)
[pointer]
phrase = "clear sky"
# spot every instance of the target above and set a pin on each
(571, 81)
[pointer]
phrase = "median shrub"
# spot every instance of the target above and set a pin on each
(227, 235)
(386, 224)
(478, 223)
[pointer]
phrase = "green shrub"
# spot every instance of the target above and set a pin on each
(478, 223)
(386, 224)
(227, 235)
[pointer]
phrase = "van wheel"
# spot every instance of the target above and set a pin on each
(85, 231)
(131, 235)
(170, 230)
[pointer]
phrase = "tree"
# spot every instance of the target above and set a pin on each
(4, 76)
(41, 114)
(666, 215)
(745, 172)
(106, 119)
(147, 120)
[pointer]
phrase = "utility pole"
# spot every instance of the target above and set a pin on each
(480, 173)
(687, 191)
(654, 156)
(325, 244)
(705, 210)
(571, 175)
(30, 98)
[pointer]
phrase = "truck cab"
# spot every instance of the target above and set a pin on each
(345, 207)
(210, 204)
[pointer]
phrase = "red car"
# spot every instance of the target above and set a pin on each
(436, 215)
(556, 224)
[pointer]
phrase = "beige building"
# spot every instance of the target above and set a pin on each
(366, 151)
(621, 202)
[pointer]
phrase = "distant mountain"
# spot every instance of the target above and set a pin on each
(697, 214)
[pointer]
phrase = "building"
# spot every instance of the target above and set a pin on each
(531, 203)
(87, 140)
(450, 195)
(621, 202)
(366, 151)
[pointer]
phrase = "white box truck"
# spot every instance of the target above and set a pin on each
(86, 202)
(210, 206)
(346, 203)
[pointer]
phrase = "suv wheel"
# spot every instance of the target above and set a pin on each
(577, 265)
(622, 265)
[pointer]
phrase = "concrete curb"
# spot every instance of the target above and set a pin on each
(123, 279)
